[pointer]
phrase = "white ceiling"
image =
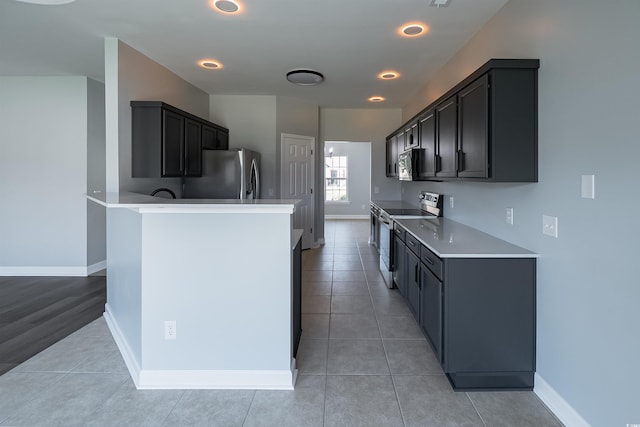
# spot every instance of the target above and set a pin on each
(350, 42)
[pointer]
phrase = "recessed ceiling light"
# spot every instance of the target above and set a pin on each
(305, 77)
(413, 29)
(227, 6)
(210, 64)
(376, 99)
(389, 75)
(47, 2)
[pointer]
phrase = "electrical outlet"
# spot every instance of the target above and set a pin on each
(451, 202)
(169, 329)
(402, 190)
(550, 225)
(376, 189)
(509, 216)
(270, 192)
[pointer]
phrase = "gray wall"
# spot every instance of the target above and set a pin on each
(251, 121)
(96, 214)
(43, 170)
(358, 179)
(360, 124)
(588, 293)
(131, 76)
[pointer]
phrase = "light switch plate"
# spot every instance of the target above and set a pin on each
(588, 186)
(550, 225)
(509, 217)
(451, 202)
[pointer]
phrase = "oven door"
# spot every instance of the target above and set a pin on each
(386, 249)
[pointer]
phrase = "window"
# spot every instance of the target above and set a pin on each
(335, 174)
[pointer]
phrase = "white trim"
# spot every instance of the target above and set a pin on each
(145, 379)
(127, 354)
(43, 271)
(217, 379)
(53, 271)
(556, 404)
(346, 216)
(94, 268)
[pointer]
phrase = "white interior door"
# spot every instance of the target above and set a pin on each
(297, 178)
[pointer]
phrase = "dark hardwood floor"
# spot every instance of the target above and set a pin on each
(36, 312)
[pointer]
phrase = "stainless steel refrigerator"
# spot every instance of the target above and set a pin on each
(226, 174)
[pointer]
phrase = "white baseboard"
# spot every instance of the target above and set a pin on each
(53, 271)
(127, 354)
(346, 217)
(94, 268)
(556, 403)
(43, 271)
(145, 379)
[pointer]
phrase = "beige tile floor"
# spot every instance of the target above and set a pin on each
(363, 361)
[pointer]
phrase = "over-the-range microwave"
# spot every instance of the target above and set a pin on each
(410, 164)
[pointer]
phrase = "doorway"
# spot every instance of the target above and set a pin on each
(347, 179)
(297, 180)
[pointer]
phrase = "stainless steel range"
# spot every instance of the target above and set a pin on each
(430, 206)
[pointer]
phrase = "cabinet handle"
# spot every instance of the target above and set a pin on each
(428, 261)
(416, 275)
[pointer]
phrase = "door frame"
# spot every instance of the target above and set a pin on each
(312, 178)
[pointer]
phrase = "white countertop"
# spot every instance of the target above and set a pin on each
(151, 204)
(450, 239)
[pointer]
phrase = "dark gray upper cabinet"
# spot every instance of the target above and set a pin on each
(411, 138)
(446, 138)
(427, 134)
(392, 157)
(486, 127)
(168, 142)
(214, 139)
(172, 128)
(473, 135)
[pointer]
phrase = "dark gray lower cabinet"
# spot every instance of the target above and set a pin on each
(296, 326)
(399, 263)
(489, 322)
(431, 309)
(413, 284)
(478, 314)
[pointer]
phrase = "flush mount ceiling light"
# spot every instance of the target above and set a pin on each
(304, 77)
(388, 75)
(440, 3)
(210, 64)
(47, 2)
(413, 29)
(227, 6)
(376, 99)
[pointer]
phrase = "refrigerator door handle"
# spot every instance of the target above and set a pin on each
(255, 179)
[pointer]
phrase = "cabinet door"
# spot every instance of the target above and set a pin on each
(473, 135)
(427, 132)
(172, 144)
(411, 139)
(392, 157)
(431, 309)
(192, 148)
(223, 140)
(209, 138)
(446, 138)
(413, 284)
(400, 266)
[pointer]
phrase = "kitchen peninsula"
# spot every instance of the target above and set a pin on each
(201, 293)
